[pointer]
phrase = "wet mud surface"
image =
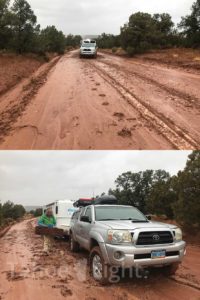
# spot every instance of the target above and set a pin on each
(108, 103)
(26, 273)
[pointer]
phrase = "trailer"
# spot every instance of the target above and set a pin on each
(63, 211)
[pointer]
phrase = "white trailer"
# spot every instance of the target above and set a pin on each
(63, 211)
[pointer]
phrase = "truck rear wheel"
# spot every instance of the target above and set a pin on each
(74, 246)
(171, 269)
(98, 269)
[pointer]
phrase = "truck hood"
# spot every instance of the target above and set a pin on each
(129, 225)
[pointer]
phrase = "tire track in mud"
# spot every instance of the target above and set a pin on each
(178, 137)
(191, 100)
(181, 281)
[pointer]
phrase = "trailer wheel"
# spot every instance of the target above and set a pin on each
(74, 246)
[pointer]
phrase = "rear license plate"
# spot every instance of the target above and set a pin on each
(158, 254)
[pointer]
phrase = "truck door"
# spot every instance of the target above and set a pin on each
(84, 229)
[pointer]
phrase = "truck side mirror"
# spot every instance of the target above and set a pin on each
(148, 217)
(85, 219)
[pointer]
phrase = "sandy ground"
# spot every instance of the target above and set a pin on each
(108, 103)
(26, 274)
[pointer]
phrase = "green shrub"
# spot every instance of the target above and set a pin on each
(114, 49)
(131, 51)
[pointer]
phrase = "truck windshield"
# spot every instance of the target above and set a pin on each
(105, 213)
(89, 45)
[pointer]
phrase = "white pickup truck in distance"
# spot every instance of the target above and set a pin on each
(121, 236)
(88, 48)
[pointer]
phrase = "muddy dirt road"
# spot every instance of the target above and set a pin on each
(108, 103)
(26, 275)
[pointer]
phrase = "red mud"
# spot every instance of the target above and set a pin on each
(26, 274)
(78, 104)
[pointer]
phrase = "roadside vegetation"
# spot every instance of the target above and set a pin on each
(36, 212)
(158, 193)
(145, 32)
(72, 41)
(10, 212)
(24, 45)
(20, 32)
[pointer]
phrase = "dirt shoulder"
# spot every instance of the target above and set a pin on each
(4, 230)
(187, 59)
(25, 272)
(23, 93)
(15, 67)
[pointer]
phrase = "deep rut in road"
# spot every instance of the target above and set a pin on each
(178, 137)
(191, 101)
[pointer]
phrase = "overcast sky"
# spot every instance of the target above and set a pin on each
(98, 16)
(37, 178)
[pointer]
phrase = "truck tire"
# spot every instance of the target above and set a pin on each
(98, 269)
(74, 246)
(171, 269)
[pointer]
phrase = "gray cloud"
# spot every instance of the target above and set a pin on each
(36, 178)
(97, 16)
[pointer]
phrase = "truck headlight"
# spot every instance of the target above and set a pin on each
(119, 236)
(178, 234)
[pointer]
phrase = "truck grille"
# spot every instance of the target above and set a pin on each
(154, 238)
(87, 50)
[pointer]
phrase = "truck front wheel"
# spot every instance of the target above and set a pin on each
(98, 269)
(171, 269)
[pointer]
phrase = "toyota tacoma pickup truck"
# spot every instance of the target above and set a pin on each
(121, 236)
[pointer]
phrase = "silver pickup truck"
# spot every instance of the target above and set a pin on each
(88, 48)
(121, 236)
